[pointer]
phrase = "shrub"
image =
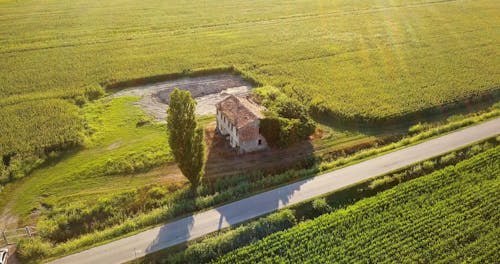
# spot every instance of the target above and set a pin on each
(93, 92)
(287, 121)
(449, 158)
(418, 128)
(33, 249)
(377, 183)
(321, 206)
(428, 165)
(475, 150)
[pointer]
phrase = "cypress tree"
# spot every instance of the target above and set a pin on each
(186, 139)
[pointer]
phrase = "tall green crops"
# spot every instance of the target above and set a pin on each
(369, 58)
(450, 216)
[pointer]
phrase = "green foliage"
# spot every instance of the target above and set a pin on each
(195, 167)
(93, 92)
(418, 128)
(114, 147)
(428, 165)
(33, 249)
(449, 158)
(141, 160)
(287, 121)
(367, 65)
(388, 71)
(411, 139)
(321, 206)
(446, 216)
(72, 220)
(186, 139)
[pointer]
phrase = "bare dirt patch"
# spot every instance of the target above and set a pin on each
(207, 91)
(8, 220)
(222, 160)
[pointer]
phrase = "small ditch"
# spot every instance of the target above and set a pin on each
(207, 91)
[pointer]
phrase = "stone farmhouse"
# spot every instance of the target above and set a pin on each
(238, 118)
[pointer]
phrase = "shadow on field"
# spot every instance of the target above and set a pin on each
(402, 124)
(223, 161)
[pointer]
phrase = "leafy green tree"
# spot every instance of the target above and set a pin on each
(186, 139)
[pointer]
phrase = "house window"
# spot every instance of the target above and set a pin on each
(260, 142)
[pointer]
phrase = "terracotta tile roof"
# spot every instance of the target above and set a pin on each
(240, 110)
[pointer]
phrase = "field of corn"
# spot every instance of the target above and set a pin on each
(449, 216)
(371, 60)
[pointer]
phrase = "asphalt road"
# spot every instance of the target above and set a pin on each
(200, 224)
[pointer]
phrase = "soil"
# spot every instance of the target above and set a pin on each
(7, 219)
(207, 91)
(222, 160)
(12, 255)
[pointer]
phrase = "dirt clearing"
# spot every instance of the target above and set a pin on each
(207, 90)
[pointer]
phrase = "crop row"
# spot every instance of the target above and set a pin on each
(428, 220)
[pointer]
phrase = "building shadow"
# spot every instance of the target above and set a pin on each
(224, 161)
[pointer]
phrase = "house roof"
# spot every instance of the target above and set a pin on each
(240, 110)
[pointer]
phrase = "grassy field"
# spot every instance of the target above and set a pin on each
(110, 162)
(351, 59)
(449, 216)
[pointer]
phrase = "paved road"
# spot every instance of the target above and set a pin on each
(200, 224)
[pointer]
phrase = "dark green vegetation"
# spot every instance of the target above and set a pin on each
(449, 216)
(371, 60)
(186, 138)
(287, 121)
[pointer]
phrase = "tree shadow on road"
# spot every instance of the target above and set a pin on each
(173, 237)
(173, 233)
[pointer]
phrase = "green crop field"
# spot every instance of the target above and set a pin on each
(449, 216)
(352, 59)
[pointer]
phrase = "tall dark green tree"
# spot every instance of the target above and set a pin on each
(186, 139)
